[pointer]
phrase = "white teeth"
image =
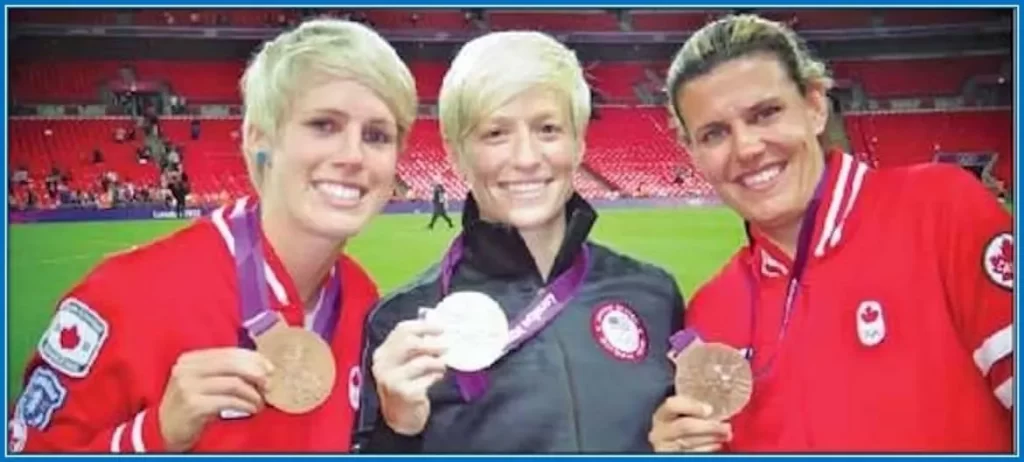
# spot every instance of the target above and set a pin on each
(526, 187)
(761, 177)
(338, 191)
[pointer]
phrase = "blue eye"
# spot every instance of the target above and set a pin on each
(711, 136)
(377, 136)
(551, 128)
(322, 125)
(767, 113)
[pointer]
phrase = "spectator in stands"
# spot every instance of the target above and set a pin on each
(52, 180)
(874, 307)
(173, 159)
(179, 189)
(440, 203)
(514, 110)
(20, 176)
(195, 128)
(97, 156)
(328, 107)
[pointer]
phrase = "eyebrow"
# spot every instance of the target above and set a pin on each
(345, 116)
(760, 104)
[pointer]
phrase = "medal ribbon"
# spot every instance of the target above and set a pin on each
(545, 306)
(254, 306)
(793, 286)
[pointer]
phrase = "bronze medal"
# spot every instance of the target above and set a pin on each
(304, 368)
(716, 374)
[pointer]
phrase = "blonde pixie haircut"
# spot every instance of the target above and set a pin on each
(319, 48)
(737, 36)
(492, 69)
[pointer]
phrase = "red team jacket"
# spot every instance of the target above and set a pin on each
(901, 333)
(99, 373)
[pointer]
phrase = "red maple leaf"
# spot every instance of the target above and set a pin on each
(69, 338)
(869, 315)
(1002, 263)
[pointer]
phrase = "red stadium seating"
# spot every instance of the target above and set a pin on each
(70, 148)
(931, 16)
(630, 152)
(916, 77)
(889, 78)
(63, 16)
(61, 81)
(428, 78)
(615, 80)
(198, 81)
(569, 20)
(671, 21)
(636, 151)
(908, 138)
(822, 19)
(434, 19)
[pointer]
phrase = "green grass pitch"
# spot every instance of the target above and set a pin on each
(45, 260)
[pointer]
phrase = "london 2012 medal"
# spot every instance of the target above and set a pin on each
(304, 368)
(475, 330)
(716, 374)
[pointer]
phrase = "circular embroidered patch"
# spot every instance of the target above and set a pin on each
(619, 331)
(998, 260)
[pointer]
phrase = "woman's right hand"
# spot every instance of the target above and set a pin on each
(205, 382)
(404, 367)
(680, 424)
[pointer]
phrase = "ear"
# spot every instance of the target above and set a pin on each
(818, 106)
(256, 143)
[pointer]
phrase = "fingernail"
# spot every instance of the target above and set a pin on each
(708, 410)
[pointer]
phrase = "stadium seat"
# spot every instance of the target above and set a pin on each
(916, 77)
(553, 21)
(908, 138)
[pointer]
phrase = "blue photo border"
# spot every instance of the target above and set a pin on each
(512, 4)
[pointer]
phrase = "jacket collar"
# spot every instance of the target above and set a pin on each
(498, 250)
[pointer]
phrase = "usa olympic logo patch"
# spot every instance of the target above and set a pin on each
(619, 331)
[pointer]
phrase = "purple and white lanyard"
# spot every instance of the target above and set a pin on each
(681, 340)
(252, 283)
(545, 306)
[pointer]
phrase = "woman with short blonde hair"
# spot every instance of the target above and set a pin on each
(258, 347)
(583, 364)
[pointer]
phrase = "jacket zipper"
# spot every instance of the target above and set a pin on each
(570, 386)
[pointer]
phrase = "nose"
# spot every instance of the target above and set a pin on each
(527, 152)
(747, 143)
(349, 150)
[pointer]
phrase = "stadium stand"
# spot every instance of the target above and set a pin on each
(631, 149)
(886, 78)
(555, 21)
(915, 137)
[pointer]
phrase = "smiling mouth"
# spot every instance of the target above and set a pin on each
(762, 178)
(340, 193)
(524, 189)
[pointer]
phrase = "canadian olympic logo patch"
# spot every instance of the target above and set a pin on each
(998, 260)
(619, 331)
(355, 384)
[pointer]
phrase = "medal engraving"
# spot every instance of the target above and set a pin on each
(716, 374)
(304, 369)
